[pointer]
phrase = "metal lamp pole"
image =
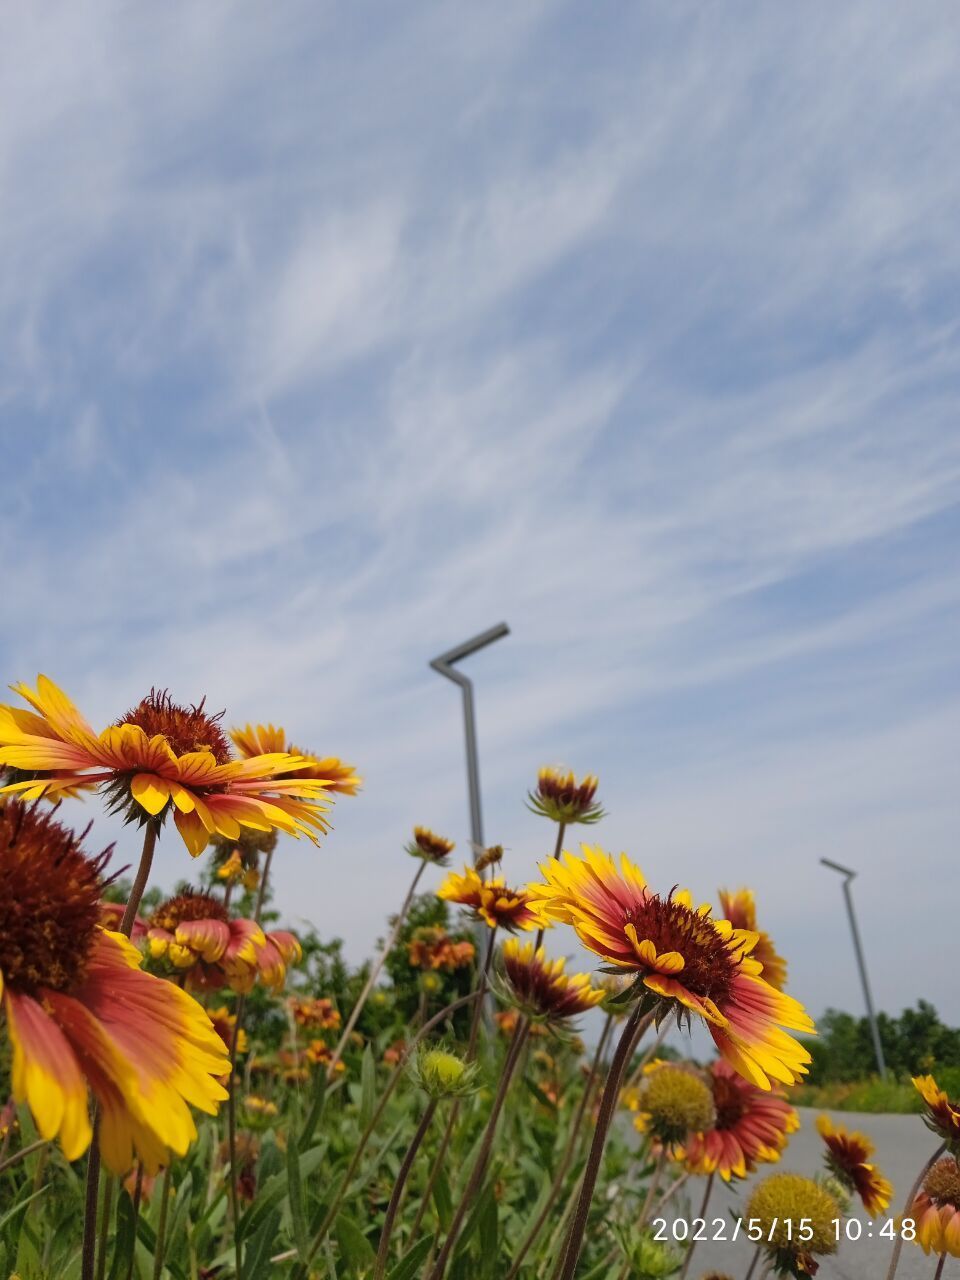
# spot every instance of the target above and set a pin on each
(848, 876)
(444, 664)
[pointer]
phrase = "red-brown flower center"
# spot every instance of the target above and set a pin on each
(708, 967)
(185, 728)
(729, 1102)
(50, 902)
(185, 907)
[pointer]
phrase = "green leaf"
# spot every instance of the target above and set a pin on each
(316, 1109)
(275, 1188)
(295, 1198)
(256, 1261)
(442, 1199)
(368, 1087)
(409, 1264)
(354, 1245)
(125, 1241)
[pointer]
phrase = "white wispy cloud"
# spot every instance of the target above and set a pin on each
(328, 342)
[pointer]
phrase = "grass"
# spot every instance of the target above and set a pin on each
(872, 1095)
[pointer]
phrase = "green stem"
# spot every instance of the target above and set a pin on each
(455, 1105)
(652, 1189)
(480, 1164)
(608, 1102)
(22, 1154)
(162, 1225)
(137, 1197)
(898, 1244)
(92, 1194)
(702, 1214)
(557, 850)
(104, 1227)
(365, 1137)
(374, 974)
(383, 1252)
(530, 1238)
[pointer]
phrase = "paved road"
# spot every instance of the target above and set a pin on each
(903, 1144)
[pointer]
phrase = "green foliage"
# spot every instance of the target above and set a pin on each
(916, 1043)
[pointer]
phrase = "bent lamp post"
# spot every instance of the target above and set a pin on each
(445, 665)
(848, 876)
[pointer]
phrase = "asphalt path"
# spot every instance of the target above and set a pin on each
(904, 1144)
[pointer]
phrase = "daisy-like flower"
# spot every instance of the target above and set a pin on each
(315, 1014)
(427, 845)
(489, 900)
(81, 1015)
(740, 908)
(431, 947)
(319, 1054)
(194, 929)
(681, 958)
(673, 1103)
(256, 740)
(159, 758)
(942, 1115)
(778, 1203)
(232, 870)
(936, 1209)
(540, 988)
(507, 1019)
(751, 1128)
(848, 1153)
(224, 1024)
(561, 798)
(259, 1107)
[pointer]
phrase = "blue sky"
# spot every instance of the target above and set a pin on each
(332, 335)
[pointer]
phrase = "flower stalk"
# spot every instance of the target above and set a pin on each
(608, 1102)
(383, 1252)
(483, 1155)
(374, 974)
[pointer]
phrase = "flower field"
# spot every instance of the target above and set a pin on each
(190, 1090)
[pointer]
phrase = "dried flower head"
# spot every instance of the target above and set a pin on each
(783, 1199)
(673, 1103)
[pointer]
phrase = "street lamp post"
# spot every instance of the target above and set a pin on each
(445, 665)
(848, 876)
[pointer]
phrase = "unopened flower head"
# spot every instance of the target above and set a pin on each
(162, 757)
(778, 1203)
(560, 797)
(673, 1103)
(649, 1258)
(848, 1156)
(442, 1074)
(681, 959)
(426, 844)
(541, 988)
(752, 1127)
(81, 1015)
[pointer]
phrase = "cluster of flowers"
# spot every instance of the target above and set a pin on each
(81, 1012)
